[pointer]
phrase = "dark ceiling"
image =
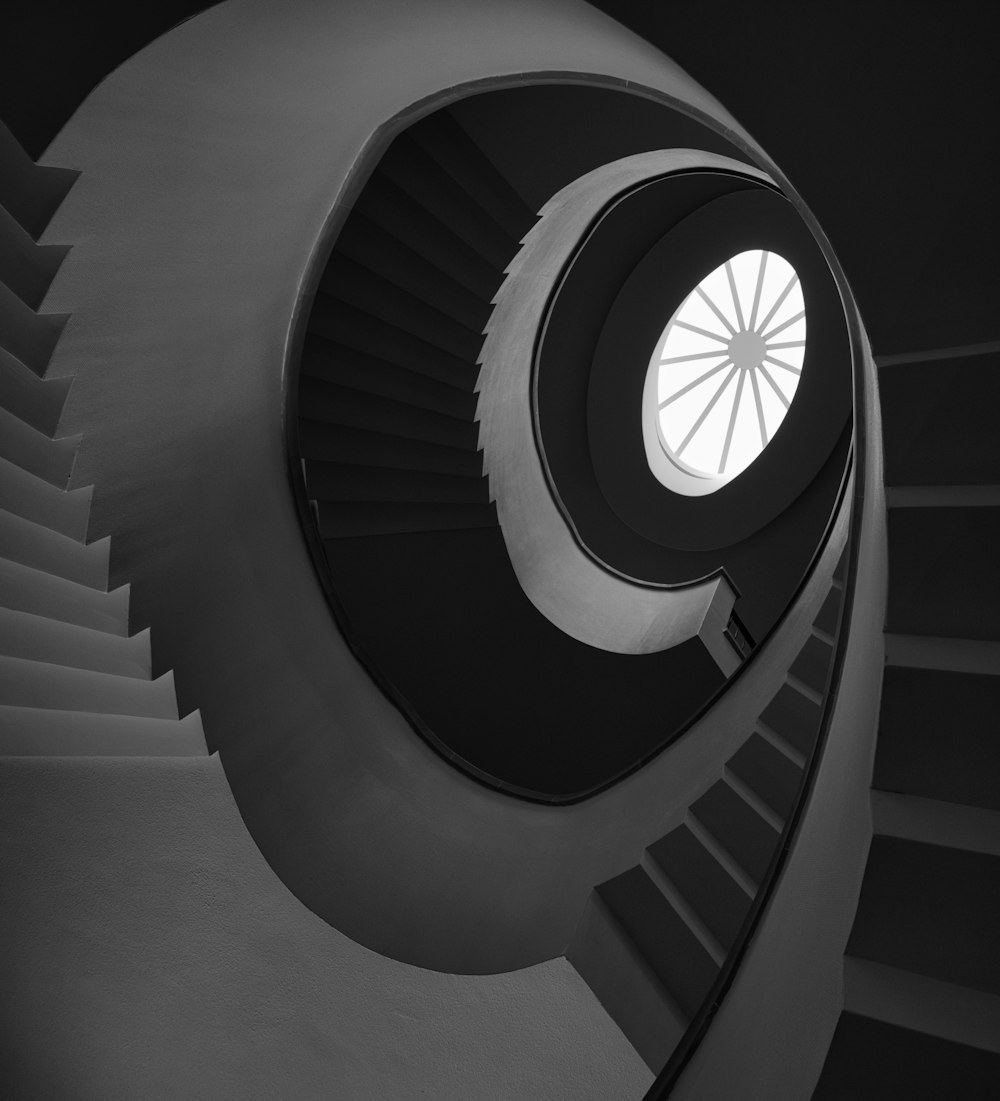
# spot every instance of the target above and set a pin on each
(878, 112)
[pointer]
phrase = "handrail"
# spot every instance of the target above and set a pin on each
(696, 1031)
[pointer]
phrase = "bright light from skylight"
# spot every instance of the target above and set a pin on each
(724, 372)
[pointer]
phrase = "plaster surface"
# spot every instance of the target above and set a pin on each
(149, 952)
(215, 164)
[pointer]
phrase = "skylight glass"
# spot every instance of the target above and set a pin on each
(726, 370)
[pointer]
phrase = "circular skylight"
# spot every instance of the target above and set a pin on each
(724, 373)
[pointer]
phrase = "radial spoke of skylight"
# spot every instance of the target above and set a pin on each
(774, 386)
(771, 344)
(785, 366)
(784, 325)
(697, 382)
(760, 408)
(777, 305)
(708, 409)
(703, 332)
(696, 356)
(735, 294)
(756, 294)
(715, 309)
(732, 422)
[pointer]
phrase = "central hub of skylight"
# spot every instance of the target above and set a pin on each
(747, 350)
(724, 373)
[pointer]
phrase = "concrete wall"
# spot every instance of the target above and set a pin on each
(148, 952)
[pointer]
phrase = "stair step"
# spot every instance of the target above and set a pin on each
(26, 447)
(339, 405)
(351, 519)
(610, 963)
(444, 139)
(351, 482)
(768, 773)
(37, 638)
(341, 366)
(942, 572)
(793, 717)
(751, 839)
(344, 324)
(871, 1059)
(39, 593)
(937, 736)
(380, 252)
(32, 498)
(922, 1005)
(399, 215)
(671, 951)
(29, 191)
(935, 822)
(829, 614)
(323, 442)
(26, 335)
(957, 655)
(350, 282)
(943, 496)
(44, 549)
(931, 910)
(717, 898)
(26, 268)
(409, 167)
(938, 421)
(37, 684)
(37, 402)
(34, 731)
(812, 664)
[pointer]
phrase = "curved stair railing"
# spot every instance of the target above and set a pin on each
(72, 679)
(660, 943)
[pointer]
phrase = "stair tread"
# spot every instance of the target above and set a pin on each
(34, 731)
(663, 938)
(408, 165)
(336, 365)
(28, 336)
(46, 594)
(33, 451)
(348, 325)
(368, 244)
(44, 549)
(319, 442)
(38, 402)
(33, 498)
(355, 482)
(444, 139)
(25, 683)
(397, 213)
(344, 520)
(935, 822)
(921, 1004)
(718, 899)
(748, 836)
(39, 638)
(876, 1060)
(354, 283)
(932, 910)
(340, 405)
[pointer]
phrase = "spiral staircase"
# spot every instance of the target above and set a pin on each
(387, 401)
(388, 442)
(73, 681)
